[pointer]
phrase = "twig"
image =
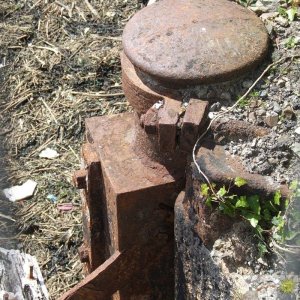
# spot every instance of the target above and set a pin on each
(50, 111)
(41, 147)
(69, 10)
(80, 13)
(284, 249)
(91, 94)
(7, 217)
(75, 154)
(77, 50)
(34, 5)
(103, 37)
(56, 51)
(19, 101)
(291, 246)
(92, 9)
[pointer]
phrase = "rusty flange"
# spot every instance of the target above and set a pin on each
(175, 124)
(166, 120)
(185, 42)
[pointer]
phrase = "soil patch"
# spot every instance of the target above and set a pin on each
(59, 64)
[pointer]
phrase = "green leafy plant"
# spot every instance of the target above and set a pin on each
(264, 215)
(290, 42)
(289, 13)
(244, 102)
(282, 11)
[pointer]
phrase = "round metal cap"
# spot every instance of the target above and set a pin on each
(194, 41)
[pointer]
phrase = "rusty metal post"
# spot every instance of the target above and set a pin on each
(134, 163)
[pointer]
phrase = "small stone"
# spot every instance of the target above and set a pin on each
(296, 148)
(288, 87)
(283, 141)
(271, 119)
(282, 21)
(263, 93)
(276, 107)
(288, 112)
(260, 143)
(276, 280)
(252, 116)
(281, 83)
(254, 103)
(270, 15)
(253, 144)
(211, 115)
(260, 112)
(289, 124)
(274, 88)
(261, 261)
(215, 107)
(269, 2)
(246, 152)
(265, 168)
(297, 130)
(226, 96)
(259, 8)
(273, 161)
(270, 27)
(247, 84)
(218, 244)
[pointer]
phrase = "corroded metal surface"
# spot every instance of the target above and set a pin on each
(194, 41)
(193, 121)
(221, 168)
(79, 179)
(140, 96)
(134, 164)
(235, 129)
(134, 198)
(93, 210)
(173, 119)
(167, 125)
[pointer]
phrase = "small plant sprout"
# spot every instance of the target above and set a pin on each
(290, 42)
(287, 286)
(264, 215)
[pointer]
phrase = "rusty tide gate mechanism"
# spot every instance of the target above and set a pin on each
(134, 163)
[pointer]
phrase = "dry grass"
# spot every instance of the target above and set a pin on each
(59, 64)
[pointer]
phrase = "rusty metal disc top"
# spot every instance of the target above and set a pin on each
(194, 41)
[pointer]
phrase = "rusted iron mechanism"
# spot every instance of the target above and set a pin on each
(133, 164)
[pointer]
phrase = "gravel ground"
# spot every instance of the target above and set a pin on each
(274, 103)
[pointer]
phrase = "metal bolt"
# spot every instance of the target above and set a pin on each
(79, 179)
